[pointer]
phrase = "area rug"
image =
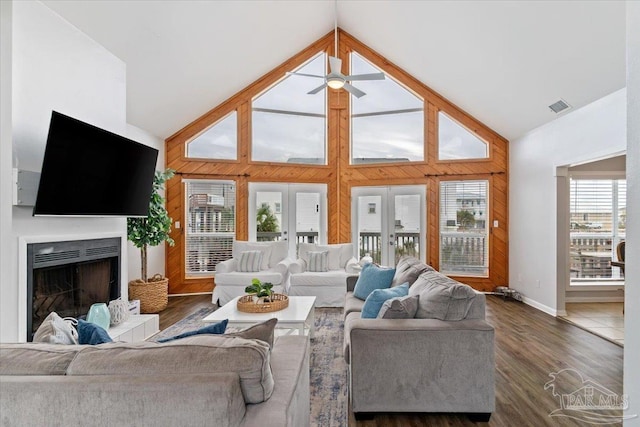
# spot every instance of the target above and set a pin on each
(329, 404)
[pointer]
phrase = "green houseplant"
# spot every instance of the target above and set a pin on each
(261, 290)
(151, 231)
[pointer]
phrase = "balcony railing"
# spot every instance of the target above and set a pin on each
(591, 254)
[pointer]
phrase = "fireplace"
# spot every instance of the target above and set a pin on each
(69, 276)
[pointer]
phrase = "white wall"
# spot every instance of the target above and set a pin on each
(54, 67)
(156, 254)
(595, 131)
(7, 248)
(632, 271)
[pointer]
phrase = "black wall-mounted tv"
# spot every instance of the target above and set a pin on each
(88, 171)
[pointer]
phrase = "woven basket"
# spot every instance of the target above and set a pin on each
(153, 295)
(278, 302)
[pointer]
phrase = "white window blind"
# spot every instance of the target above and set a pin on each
(464, 232)
(597, 224)
(210, 224)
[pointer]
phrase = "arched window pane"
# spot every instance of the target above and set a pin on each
(456, 142)
(220, 141)
(287, 124)
(387, 124)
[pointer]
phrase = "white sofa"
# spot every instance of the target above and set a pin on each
(329, 287)
(230, 283)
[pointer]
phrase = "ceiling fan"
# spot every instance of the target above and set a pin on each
(335, 79)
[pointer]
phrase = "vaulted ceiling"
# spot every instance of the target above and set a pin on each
(503, 62)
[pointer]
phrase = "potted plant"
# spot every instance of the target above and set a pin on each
(153, 292)
(262, 291)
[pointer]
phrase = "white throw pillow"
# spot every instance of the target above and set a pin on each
(318, 261)
(249, 261)
(264, 247)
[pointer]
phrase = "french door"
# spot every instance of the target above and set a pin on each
(293, 212)
(388, 222)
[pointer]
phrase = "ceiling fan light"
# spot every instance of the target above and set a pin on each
(335, 83)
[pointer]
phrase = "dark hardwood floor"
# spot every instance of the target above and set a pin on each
(530, 345)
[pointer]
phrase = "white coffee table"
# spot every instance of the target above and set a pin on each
(298, 316)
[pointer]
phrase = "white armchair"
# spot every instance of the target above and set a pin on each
(328, 286)
(273, 266)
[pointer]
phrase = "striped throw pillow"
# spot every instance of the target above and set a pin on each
(318, 261)
(249, 261)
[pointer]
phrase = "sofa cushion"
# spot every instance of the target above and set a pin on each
(213, 329)
(352, 304)
(36, 358)
(264, 247)
(249, 261)
(250, 359)
(442, 297)
(263, 331)
(372, 277)
(399, 308)
(374, 301)
(339, 254)
(90, 333)
(408, 269)
(310, 278)
(318, 261)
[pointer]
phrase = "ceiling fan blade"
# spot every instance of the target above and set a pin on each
(316, 90)
(289, 73)
(372, 76)
(353, 91)
(335, 64)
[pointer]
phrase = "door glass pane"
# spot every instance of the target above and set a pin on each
(464, 232)
(307, 217)
(369, 224)
(407, 226)
(210, 225)
(598, 222)
(268, 216)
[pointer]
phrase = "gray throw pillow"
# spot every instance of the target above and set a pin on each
(262, 331)
(399, 308)
(408, 270)
(441, 297)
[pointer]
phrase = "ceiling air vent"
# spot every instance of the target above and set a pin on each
(559, 106)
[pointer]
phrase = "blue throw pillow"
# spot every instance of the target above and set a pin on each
(374, 301)
(372, 277)
(214, 328)
(90, 333)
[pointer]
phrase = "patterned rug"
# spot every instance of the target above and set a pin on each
(329, 404)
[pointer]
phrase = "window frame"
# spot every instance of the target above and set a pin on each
(219, 117)
(467, 124)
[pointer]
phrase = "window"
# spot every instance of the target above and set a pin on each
(457, 142)
(387, 125)
(597, 224)
(288, 125)
(210, 224)
(220, 141)
(372, 208)
(464, 235)
(278, 207)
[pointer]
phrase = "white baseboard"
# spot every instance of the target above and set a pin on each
(535, 304)
(594, 299)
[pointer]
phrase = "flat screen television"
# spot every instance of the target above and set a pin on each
(88, 171)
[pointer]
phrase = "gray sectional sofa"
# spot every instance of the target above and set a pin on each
(205, 380)
(422, 364)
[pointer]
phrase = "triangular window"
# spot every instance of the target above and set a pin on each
(287, 124)
(387, 124)
(220, 141)
(456, 142)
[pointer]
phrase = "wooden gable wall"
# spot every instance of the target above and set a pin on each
(339, 175)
